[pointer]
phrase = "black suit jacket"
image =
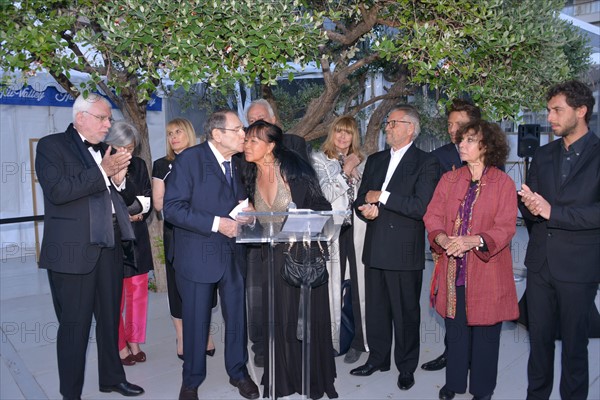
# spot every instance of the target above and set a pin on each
(75, 195)
(395, 240)
(570, 240)
(296, 143)
(448, 157)
(138, 184)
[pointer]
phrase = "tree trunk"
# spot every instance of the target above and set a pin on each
(155, 229)
(319, 114)
(136, 113)
(385, 106)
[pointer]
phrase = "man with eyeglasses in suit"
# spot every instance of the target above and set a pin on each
(397, 186)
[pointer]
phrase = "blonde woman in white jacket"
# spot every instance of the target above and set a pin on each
(339, 166)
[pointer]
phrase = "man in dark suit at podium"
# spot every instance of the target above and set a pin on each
(460, 113)
(84, 222)
(562, 199)
(204, 186)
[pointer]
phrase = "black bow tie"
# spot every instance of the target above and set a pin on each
(96, 147)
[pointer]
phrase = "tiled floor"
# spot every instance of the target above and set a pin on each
(28, 367)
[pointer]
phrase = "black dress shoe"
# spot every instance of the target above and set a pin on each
(486, 397)
(124, 388)
(406, 380)
(446, 394)
(210, 352)
(188, 393)
(71, 398)
(259, 360)
(435, 365)
(367, 369)
(246, 387)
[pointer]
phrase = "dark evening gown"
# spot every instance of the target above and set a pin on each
(288, 349)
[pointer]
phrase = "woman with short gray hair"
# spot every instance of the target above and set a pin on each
(137, 257)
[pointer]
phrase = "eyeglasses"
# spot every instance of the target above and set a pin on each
(392, 123)
(238, 129)
(101, 118)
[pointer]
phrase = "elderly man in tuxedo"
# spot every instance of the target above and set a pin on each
(460, 113)
(204, 186)
(396, 188)
(562, 199)
(84, 222)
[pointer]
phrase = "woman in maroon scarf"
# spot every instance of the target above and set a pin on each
(470, 221)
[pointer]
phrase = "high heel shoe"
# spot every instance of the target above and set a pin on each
(140, 356)
(211, 352)
(129, 360)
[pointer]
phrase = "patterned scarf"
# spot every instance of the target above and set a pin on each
(350, 192)
(457, 267)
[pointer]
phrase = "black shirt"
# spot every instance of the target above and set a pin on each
(568, 158)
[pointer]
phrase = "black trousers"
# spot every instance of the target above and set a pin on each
(172, 291)
(348, 255)
(197, 303)
(254, 287)
(392, 305)
(551, 302)
(78, 297)
(472, 351)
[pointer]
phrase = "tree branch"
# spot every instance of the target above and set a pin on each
(394, 92)
(352, 35)
(362, 62)
(65, 83)
(71, 45)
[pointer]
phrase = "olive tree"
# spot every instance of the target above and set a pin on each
(133, 48)
(502, 53)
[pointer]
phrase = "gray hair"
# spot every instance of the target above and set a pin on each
(121, 134)
(216, 120)
(412, 114)
(265, 104)
(83, 104)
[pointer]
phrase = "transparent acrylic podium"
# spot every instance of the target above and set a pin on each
(272, 228)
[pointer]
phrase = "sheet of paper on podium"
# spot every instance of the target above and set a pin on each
(301, 221)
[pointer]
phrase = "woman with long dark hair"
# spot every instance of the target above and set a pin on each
(276, 176)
